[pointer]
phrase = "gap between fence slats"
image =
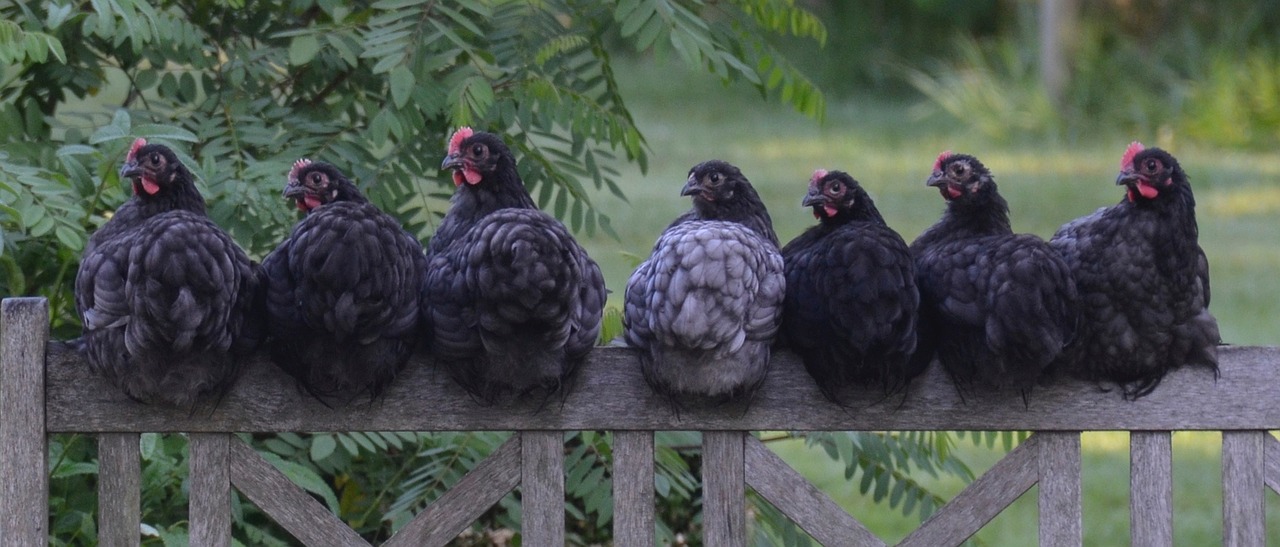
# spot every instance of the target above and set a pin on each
(633, 511)
(1151, 488)
(24, 465)
(120, 489)
(542, 488)
(801, 501)
(1060, 515)
(285, 502)
(210, 476)
(724, 509)
(1271, 465)
(466, 501)
(1243, 503)
(982, 500)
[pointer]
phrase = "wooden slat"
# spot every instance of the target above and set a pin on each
(210, 507)
(1271, 466)
(801, 501)
(1060, 516)
(982, 500)
(633, 503)
(24, 467)
(461, 505)
(285, 502)
(1243, 503)
(119, 489)
(542, 488)
(1151, 488)
(610, 394)
(724, 493)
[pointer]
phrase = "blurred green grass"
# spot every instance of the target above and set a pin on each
(889, 145)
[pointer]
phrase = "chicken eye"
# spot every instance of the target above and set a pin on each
(477, 150)
(317, 178)
(1152, 164)
(155, 159)
(715, 177)
(959, 168)
(836, 188)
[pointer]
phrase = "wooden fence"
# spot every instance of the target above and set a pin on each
(46, 388)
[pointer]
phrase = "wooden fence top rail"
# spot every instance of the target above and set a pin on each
(609, 394)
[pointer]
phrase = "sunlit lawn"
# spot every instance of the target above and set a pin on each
(688, 118)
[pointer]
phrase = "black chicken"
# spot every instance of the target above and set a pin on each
(704, 308)
(1143, 279)
(1000, 307)
(512, 302)
(342, 290)
(850, 309)
(166, 297)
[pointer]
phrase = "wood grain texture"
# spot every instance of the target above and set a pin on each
(1243, 489)
(1151, 488)
(461, 505)
(209, 509)
(1060, 516)
(24, 466)
(1271, 465)
(610, 394)
(542, 488)
(633, 502)
(982, 500)
(724, 493)
(801, 501)
(285, 502)
(119, 489)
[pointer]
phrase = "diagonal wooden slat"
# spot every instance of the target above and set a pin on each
(1271, 463)
(801, 501)
(210, 507)
(119, 489)
(542, 488)
(633, 510)
(461, 505)
(24, 463)
(1151, 488)
(982, 500)
(724, 493)
(285, 502)
(1243, 503)
(1060, 515)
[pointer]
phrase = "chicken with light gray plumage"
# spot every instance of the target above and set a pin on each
(704, 308)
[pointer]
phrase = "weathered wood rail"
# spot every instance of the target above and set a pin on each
(45, 388)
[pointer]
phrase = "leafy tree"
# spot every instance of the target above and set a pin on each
(242, 89)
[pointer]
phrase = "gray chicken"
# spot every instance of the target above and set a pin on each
(512, 303)
(167, 299)
(704, 308)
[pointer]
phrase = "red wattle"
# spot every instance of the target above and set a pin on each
(473, 176)
(311, 201)
(1147, 191)
(831, 211)
(149, 186)
(457, 178)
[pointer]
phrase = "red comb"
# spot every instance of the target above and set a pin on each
(455, 142)
(133, 150)
(297, 166)
(1126, 161)
(937, 164)
(818, 175)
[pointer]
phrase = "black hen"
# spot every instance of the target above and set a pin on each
(1000, 306)
(850, 310)
(342, 290)
(1143, 279)
(704, 308)
(166, 297)
(513, 303)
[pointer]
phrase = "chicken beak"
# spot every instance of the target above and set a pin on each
(812, 199)
(294, 191)
(691, 187)
(1126, 177)
(936, 179)
(452, 161)
(130, 170)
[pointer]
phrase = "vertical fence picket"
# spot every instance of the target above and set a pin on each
(1060, 518)
(119, 489)
(724, 490)
(24, 490)
(1243, 503)
(542, 488)
(1151, 488)
(210, 477)
(633, 510)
